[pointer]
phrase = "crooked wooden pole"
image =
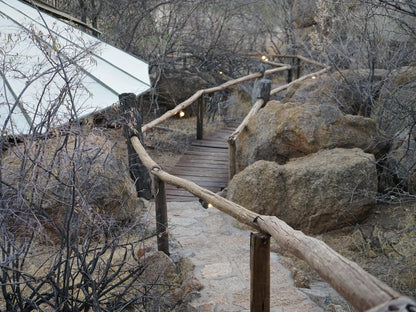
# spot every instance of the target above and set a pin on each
(357, 286)
(200, 118)
(298, 68)
(232, 161)
(289, 78)
(161, 216)
(259, 272)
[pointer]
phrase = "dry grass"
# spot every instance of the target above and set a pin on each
(383, 245)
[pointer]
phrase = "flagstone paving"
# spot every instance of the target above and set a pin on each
(220, 250)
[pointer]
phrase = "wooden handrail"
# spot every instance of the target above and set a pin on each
(286, 86)
(302, 58)
(199, 93)
(358, 287)
(232, 161)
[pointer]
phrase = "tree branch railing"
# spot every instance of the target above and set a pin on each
(200, 93)
(361, 289)
(358, 287)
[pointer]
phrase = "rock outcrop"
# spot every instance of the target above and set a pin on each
(317, 193)
(282, 131)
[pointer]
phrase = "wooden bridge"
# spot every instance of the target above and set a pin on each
(205, 163)
(361, 289)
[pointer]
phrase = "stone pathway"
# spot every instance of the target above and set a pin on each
(220, 250)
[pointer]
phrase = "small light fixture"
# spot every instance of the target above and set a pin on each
(264, 58)
(220, 72)
(181, 114)
(313, 77)
(205, 204)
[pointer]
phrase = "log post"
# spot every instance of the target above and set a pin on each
(260, 272)
(263, 91)
(161, 216)
(290, 75)
(141, 103)
(131, 120)
(298, 68)
(232, 166)
(200, 118)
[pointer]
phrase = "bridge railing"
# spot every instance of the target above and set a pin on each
(361, 289)
(197, 96)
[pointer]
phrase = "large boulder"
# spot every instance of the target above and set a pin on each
(316, 193)
(281, 131)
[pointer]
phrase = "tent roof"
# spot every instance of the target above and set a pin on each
(52, 72)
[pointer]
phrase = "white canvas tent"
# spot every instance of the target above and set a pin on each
(52, 72)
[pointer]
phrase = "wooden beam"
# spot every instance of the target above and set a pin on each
(62, 15)
(358, 287)
(259, 272)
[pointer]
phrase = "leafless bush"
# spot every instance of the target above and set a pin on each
(69, 238)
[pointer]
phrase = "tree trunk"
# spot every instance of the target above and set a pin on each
(132, 125)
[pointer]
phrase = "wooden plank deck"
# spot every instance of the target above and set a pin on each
(205, 163)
